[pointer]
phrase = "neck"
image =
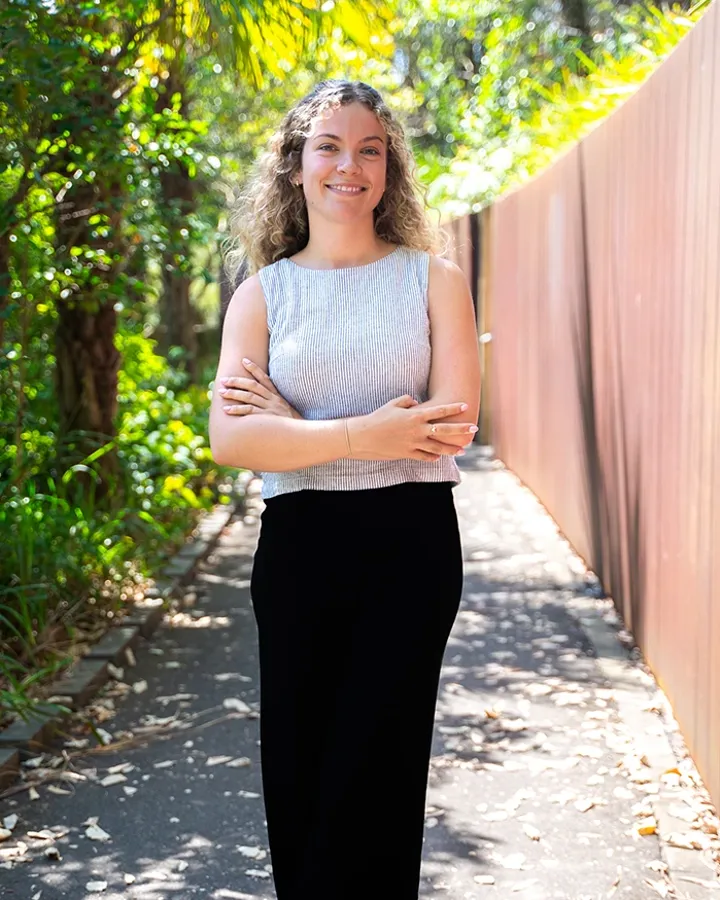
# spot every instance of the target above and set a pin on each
(334, 246)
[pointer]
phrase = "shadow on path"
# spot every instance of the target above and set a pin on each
(526, 738)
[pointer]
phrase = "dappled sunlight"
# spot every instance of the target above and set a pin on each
(188, 620)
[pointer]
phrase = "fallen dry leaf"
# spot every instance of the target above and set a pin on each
(257, 873)
(96, 833)
(532, 832)
(253, 852)
(44, 835)
(646, 826)
(56, 789)
(110, 780)
(683, 841)
(217, 760)
(236, 704)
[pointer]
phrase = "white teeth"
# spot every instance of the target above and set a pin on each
(345, 190)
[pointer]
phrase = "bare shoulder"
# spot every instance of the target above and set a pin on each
(248, 294)
(445, 279)
(444, 267)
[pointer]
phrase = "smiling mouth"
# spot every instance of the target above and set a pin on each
(345, 189)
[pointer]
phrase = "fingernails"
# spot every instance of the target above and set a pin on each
(473, 429)
(460, 453)
(463, 406)
(226, 408)
(247, 361)
(224, 380)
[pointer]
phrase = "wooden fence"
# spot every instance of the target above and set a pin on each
(599, 281)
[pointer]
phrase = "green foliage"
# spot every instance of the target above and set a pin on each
(558, 113)
(124, 131)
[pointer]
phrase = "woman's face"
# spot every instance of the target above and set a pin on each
(344, 163)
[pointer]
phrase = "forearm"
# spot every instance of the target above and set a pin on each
(276, 444)
(470, 415)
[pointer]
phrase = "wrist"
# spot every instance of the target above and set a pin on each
(354, 429)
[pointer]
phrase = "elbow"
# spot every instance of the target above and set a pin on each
(224, 452)
(220, 454)
(218, 458)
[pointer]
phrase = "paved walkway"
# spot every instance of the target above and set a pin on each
(532, 793)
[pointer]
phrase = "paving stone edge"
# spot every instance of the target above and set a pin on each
(689, 871)
(24, 738)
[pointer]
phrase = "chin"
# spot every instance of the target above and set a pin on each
(343, 217)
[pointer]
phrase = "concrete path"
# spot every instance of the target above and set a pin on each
(534, 789)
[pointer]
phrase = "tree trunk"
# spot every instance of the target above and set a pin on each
(575, 15)
(177, 314)
(87, 361)
(87, 364)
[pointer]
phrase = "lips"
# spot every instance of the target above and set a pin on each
(351, 189)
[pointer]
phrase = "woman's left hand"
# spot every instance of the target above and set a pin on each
(254, 393)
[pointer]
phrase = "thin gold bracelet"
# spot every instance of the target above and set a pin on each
(347, 437)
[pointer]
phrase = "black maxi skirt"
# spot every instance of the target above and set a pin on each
(354, 594)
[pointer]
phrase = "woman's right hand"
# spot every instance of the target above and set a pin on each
(397, 431)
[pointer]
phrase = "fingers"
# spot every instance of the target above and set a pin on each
(442, 411)
(258, 373)
(239, 410)
(246, 384)
(438, 449)
(451, 429)
(242, 396)
(404, 402)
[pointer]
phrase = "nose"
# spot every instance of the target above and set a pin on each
(348, 162)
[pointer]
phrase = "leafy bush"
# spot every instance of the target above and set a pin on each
(71, 557)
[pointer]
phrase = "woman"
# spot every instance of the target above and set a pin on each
(351, 378)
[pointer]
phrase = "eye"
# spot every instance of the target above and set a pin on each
(327, 147)
(373, 150)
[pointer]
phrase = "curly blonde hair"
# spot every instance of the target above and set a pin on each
(270, 221)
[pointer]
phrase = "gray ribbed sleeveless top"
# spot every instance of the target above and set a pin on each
(343, 342)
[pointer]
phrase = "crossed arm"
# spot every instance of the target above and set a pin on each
(253, 426)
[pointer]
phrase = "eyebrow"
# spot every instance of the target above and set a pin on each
(335, 137)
